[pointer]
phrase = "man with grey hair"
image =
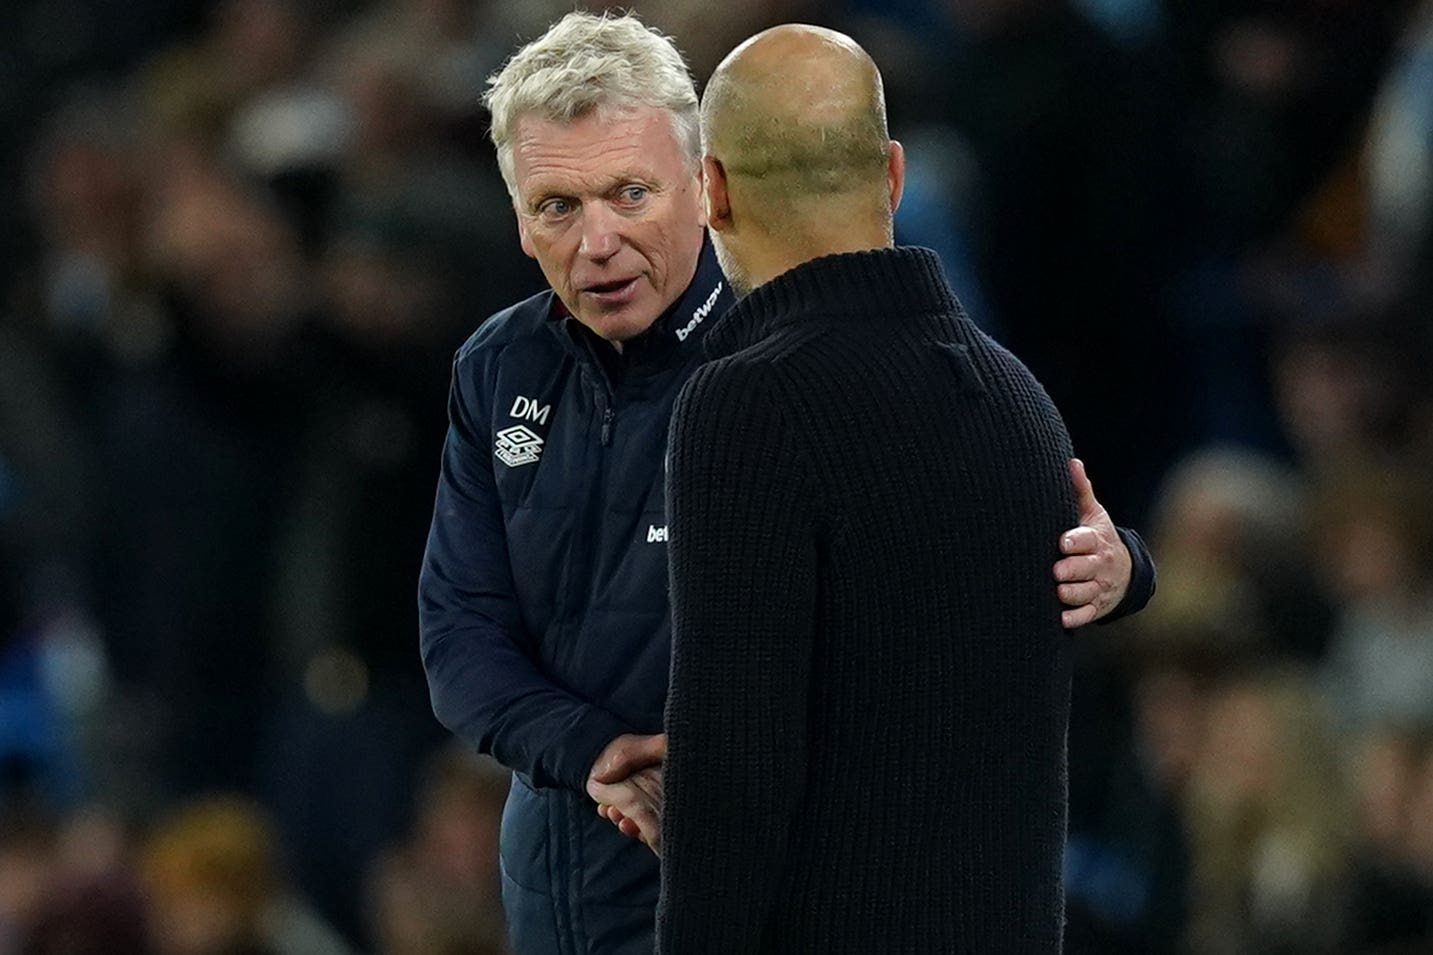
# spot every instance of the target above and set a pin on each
(545, 626)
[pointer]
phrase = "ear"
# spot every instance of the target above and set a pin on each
(522, 237)
(896, 174)
(716, 201)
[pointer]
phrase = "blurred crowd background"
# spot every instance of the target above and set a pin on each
(241, 239)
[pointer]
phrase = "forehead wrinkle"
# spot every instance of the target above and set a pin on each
(555, 151)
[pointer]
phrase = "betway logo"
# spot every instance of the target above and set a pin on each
(700, 314)
(657, 535)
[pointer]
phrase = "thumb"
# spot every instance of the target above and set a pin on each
(650, 751)
(633, 753)
(1084, 491)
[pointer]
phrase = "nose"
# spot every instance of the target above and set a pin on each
(601, 237)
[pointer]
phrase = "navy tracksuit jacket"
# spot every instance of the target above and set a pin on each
(545, 627)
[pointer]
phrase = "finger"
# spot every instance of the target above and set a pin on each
(646, 822)
(1084, 490)
(618, 765)
(607, 771)
(632, 754)
(1080, 540)
(647, 826)
(1077, 595)
(653, 750)
(1077, 569)
(604, 795)
(1079, 617)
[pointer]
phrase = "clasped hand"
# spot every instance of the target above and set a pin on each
(626, 784)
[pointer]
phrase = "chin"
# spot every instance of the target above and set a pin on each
(620, 326)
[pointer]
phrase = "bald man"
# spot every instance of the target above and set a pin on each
(870, 679)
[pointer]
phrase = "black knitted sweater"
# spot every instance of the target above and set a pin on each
(870, 681)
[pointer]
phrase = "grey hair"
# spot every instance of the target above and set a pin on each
(585, 63)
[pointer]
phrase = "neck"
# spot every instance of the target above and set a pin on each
(772, 257)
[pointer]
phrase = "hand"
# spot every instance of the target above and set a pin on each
(633, 805)
(628, 753)
(1094, 573)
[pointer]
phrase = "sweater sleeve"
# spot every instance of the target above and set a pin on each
(1142, 578)
(484, 683)
(743, 561)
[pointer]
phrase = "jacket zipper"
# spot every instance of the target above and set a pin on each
(608, 416)
(605, 394)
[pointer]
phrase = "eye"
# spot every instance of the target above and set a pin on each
(633, 194)
(555, 209)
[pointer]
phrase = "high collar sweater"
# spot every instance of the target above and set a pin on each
(870, 681)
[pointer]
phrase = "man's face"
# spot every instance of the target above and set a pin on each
(610, 207)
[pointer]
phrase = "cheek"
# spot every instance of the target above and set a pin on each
(554, 257)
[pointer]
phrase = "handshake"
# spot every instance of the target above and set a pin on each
(626, 783)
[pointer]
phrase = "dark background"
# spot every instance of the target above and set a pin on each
(240, 241)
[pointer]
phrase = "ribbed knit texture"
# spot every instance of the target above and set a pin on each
(870, 682)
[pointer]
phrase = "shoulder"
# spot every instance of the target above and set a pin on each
(516, 336)
(729, 402)
(523, 320)
(729, 383)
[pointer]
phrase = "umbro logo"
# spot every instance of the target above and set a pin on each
(517, 446)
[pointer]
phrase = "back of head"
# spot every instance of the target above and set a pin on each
(796, 117)
(585, 63)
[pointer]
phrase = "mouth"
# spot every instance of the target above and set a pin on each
(616, 292)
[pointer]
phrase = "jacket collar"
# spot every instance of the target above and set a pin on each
(896, 281)
(677, 332)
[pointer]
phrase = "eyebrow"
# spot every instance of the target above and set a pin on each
(538, 198)
(622, 178)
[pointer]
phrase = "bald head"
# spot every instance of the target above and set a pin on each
(794, 121)
(799, 110)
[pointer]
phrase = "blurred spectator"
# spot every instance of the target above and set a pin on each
(27, 841)
(1127, 862)
(1380, 664)
(250, 47)
(403, 179)
(196, 444)
(1230, 537)
(65, 888)
(1400, 160)
(1392, 900)
(1345, 392)
(1271, 95)
(1071, 151)
(1269, 841)
(416, 246)
(90, 915)
(212, 879)
(80, 306)
(705, 39)
(438, 892)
